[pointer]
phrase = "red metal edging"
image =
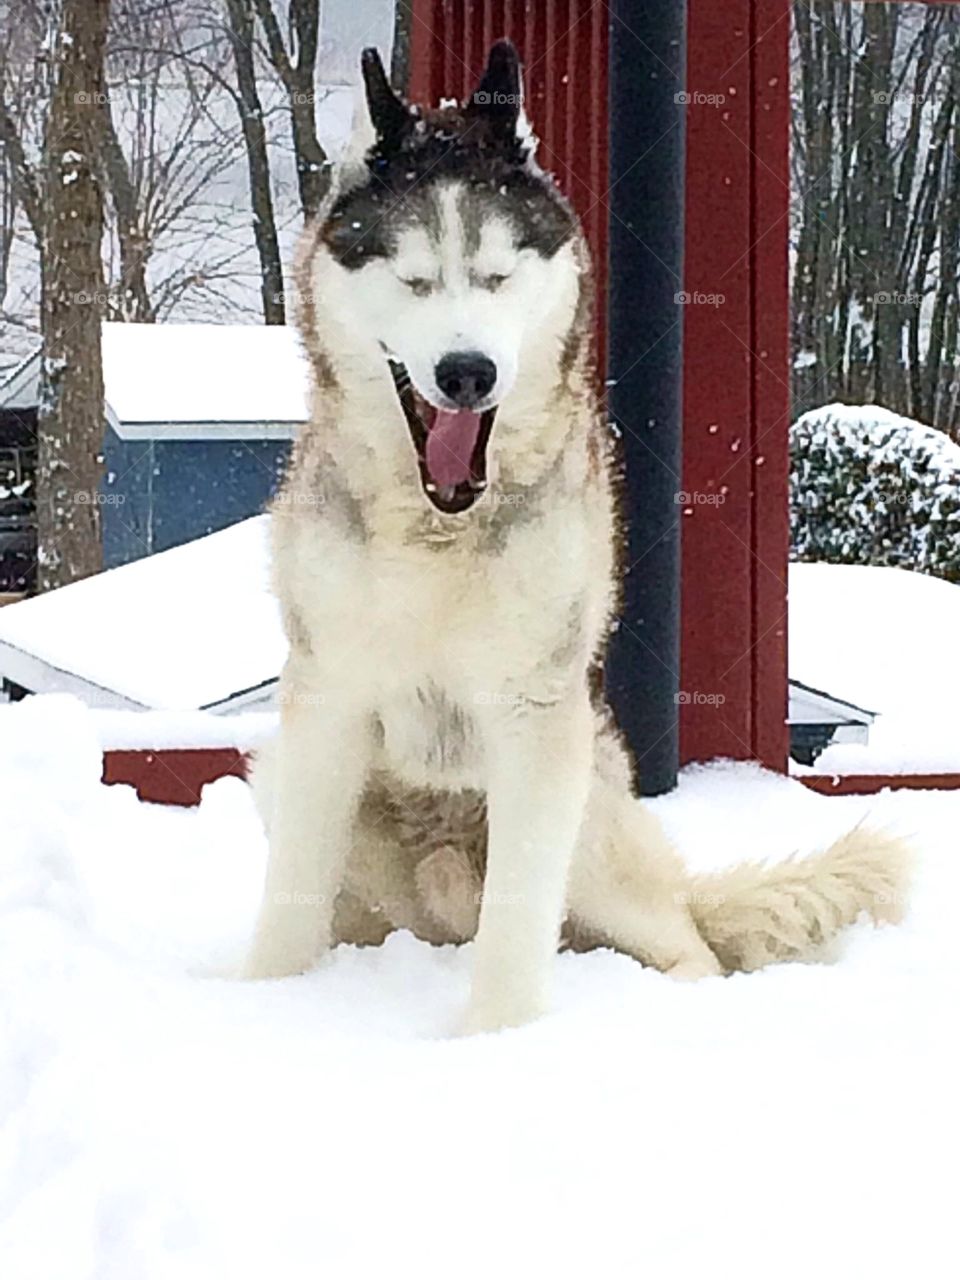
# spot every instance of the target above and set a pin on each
(178, 776)
(173, 776)
(868, 784)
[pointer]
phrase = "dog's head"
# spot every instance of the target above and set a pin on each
(444, 249)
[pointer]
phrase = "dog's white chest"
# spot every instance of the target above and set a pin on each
(427, 738)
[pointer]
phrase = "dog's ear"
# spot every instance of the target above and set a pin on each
(389, 116)
(498, 96)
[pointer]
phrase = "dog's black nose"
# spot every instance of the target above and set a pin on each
(466, 377)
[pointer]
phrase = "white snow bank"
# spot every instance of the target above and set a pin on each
(152, 730)
(183, 629)
(162, 1122)
(885, 639)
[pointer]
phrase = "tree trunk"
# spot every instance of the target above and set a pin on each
(299, 79)
(400, 58)
(258, 163)
(71, 417)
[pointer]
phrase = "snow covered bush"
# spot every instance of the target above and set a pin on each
(870, 487)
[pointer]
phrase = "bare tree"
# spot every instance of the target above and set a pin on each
(71, 415)
(176, 219)
(876, 164)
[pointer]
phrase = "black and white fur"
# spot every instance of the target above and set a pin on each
(445, 761)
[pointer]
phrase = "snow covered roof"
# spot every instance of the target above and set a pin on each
(189, 628)
(886, 639)
(814, 706)
(192, 381)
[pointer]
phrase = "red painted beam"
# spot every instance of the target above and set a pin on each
(716, 718)
(768, 461)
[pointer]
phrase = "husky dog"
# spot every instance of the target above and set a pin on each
(444, 551)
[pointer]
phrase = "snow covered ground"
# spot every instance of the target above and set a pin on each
(162, 1121)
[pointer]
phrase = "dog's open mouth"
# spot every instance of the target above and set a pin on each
(451, 446)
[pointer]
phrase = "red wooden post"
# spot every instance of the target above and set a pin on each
(736, 383)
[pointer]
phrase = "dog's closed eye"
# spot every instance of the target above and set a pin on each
(489, 280)
(418, 285)
(493, 282)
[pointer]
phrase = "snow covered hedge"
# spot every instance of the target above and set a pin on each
(870, 487)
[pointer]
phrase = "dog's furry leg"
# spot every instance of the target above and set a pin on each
(754, 915)
(538, 772)
(319, 769)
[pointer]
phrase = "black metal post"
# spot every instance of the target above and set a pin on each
(647, 71)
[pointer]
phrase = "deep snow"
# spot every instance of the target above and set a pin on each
(164, 1122)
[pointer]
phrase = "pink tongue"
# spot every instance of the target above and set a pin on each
(450, 444)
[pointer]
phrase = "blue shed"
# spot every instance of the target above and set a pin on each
(199, 420)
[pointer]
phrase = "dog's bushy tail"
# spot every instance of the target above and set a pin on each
(754, 915)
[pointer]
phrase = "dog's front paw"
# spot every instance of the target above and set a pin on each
(691, 968)
(266, 962)
(484, 1016)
